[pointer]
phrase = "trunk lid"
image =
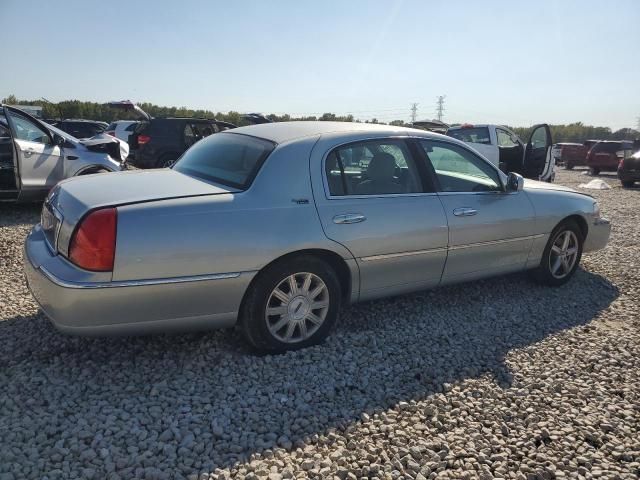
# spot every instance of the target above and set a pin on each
(71, 199)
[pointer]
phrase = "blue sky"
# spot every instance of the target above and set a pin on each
(507, 62)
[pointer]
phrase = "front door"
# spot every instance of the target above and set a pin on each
(40, 161)
(372, 197)
(8, 168)
(490, 230)
(537, 162)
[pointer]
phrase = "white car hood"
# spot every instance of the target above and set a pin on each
(105, 138)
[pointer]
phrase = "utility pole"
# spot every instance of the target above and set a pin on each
(440, 107)
(414, 112)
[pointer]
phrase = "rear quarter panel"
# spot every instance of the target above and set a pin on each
(227, 233)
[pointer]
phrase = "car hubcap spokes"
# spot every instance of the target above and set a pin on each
(564, 253)
(297, 307)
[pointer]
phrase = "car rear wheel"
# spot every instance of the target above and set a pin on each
(594, 171)
(561, 256)
(292, 304)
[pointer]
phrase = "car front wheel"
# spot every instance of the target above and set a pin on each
(292, 304)
(561, 255)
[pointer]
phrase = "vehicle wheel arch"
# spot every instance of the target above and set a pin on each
(578, 220)
(90, 169)
(331, 258)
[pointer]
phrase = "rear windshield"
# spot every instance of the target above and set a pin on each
(471, 135)
(608, 147)
(227, 158)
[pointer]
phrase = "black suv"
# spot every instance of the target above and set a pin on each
(159, 142)
(81, 128)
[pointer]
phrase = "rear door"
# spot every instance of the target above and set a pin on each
(40, 162)
(537, 160)
(373, 197)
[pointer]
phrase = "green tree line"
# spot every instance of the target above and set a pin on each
(573, 132)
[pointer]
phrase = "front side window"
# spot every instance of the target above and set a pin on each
(376, 167)
(471, 135)
(227, 158)
(29, 131)
(459, 170)
(505, 139)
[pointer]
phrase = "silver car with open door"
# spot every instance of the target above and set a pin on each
(273, 227)
(35, 156)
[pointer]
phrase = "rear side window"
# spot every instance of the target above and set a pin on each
(112, 126)
(471, 135)
(228, 158)
(376, 167)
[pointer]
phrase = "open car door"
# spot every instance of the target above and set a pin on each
(537, 162)
(128, 105)
(8, 161)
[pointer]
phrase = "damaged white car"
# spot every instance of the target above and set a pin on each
(35, 156)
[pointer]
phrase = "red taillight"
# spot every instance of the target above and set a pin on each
(142, 139)
(93, 245)
(466, 125)
(621, 163)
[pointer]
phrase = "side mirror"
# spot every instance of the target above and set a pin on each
(515, 182)
(58, 140)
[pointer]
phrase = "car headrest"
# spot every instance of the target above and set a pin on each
(381, 167)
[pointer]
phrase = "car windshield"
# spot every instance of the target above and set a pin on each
(608, 147)
(471, 134)
(63, 134)
(227, 158)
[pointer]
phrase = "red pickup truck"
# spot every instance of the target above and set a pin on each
(569, 154)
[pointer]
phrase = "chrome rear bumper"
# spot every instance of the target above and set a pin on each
(123, 308)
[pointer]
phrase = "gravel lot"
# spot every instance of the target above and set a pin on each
(493, 379)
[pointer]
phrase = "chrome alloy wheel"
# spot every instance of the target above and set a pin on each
(297, 307)
(563, 255)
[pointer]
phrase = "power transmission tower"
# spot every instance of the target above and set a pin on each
(414, 112)
(440, 107)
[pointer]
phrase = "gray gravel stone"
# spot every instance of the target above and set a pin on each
(494, 379)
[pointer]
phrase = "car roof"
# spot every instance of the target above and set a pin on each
(282, 132)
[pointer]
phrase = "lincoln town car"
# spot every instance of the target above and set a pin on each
(274, 227)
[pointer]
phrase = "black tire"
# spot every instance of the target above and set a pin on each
(542, 274)
(568, 166)
(252, 317)
(593, 171)
(627, 184)
(167, 160)
(91, 171)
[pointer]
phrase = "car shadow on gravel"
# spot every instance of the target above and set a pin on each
(192, 402)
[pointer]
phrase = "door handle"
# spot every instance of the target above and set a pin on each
(464, 212)
(345, 218)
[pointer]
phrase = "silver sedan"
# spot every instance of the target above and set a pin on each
(273, 227)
